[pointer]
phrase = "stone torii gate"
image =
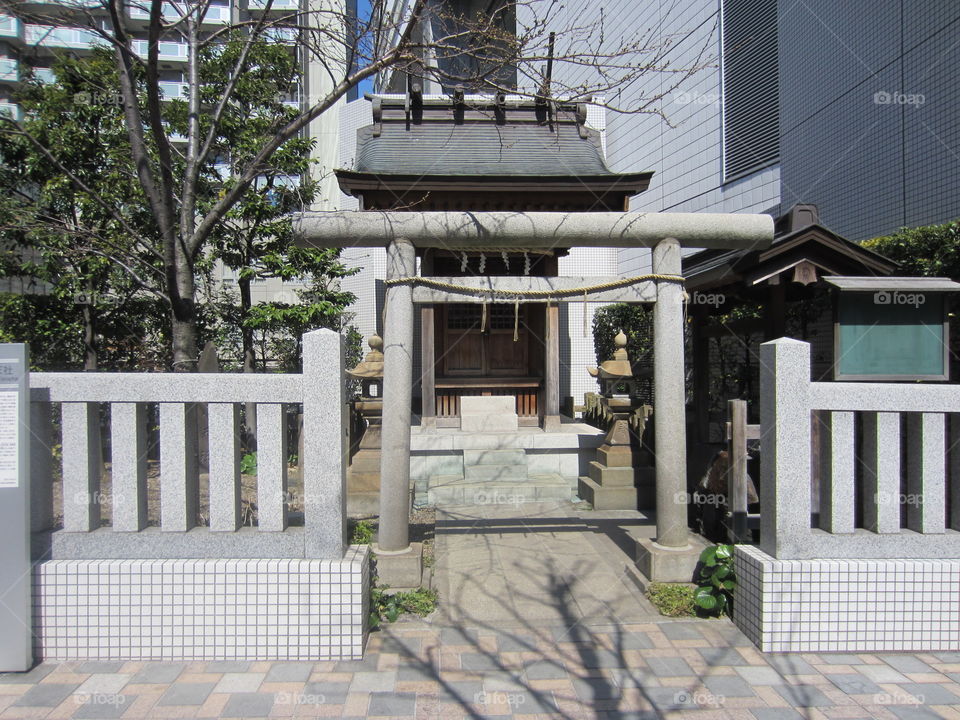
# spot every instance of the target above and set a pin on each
(402, 233)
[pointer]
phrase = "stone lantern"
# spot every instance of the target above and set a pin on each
(611, 482)
(363, 476)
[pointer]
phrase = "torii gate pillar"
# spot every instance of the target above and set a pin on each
(399, 564)
(673, 556)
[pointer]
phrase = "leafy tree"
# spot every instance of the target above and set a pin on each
(47, 324)
(61, 237)
(931, 250)
(71, 241)
(255, 239)
(511, 46)
(636, 321)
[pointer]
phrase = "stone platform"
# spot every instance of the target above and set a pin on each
(454, 467)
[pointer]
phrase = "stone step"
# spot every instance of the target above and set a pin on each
(489, 423)
(467, 493)
(607, 497)
(495, 473)
(611, 476)
(516, 456)
(365, 462)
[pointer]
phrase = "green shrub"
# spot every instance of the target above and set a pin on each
(361, 532)
(717, 580)
(672, 599)
(386, 607)
(248, 464)
(930, 250)
(636, 321)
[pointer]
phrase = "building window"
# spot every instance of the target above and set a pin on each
(751, 87)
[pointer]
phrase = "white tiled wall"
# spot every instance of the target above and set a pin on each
(286, 609)
(576, 344)
(847, 605)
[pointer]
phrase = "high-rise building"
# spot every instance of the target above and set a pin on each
(28, 49)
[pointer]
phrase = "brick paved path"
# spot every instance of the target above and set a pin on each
(530, 660)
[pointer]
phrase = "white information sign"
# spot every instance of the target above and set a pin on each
(10, 374)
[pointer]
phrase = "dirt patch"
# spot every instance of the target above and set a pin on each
(248, 498)
(422, 520)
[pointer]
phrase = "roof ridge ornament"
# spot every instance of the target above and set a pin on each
(413, 103)
(376, 105)
(459, 106)
(500, 108)
(581, 116)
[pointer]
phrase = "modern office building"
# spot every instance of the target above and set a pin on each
(847, 106)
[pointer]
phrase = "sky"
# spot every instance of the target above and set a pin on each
(363, 14)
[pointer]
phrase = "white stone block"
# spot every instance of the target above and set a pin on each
(487, 405)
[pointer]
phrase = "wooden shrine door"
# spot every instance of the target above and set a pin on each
(477, 357)
(474, 348)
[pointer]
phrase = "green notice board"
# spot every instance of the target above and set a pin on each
(891, 335)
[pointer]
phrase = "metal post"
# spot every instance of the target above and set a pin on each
(16, 621)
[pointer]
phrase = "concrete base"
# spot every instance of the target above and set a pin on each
(202, 609)
(363, 504)
(664, 564)
(552, 423)
(400, 571)
(450, 467)
(608, 497)
(892, 605)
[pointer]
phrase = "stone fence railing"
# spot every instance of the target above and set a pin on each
(319, 389)
(897, 495)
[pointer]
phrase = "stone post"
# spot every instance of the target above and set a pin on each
(669, 394)
(397, 394)
(785, 429)
(324, 446)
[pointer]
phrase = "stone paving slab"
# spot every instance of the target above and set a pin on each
(539, 656)
(559, 680)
